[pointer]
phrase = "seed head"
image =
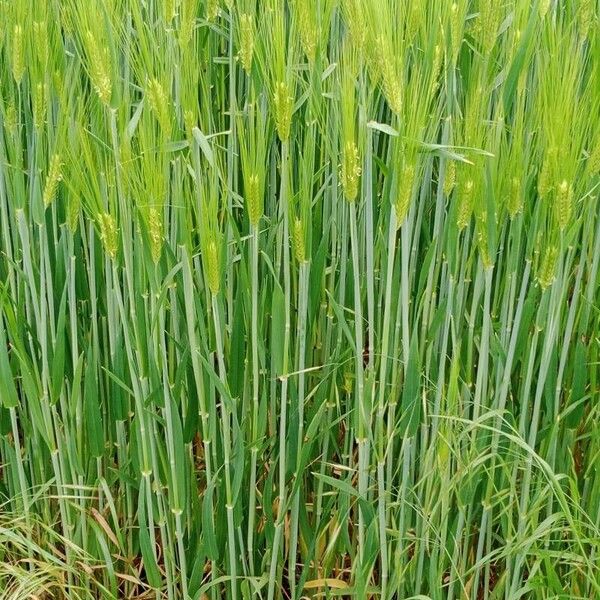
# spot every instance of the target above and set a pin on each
(159, 104)
(465, 203)
(188, 20)
(155, 231)
(11, 119)
(515, 197)
(405, 187)
(212, 267)
(546, 174)
(108, 233)
(190, 121)
(73, 208)
(39, 104)
(307, 28)
(585, 16)
(456, 26)
(212, 9)
(350, 171)
(246, 41)
(168, 10)
(40, 34)
(435, 69)
(53, 179)
(593, 162)
(99, 68)
(356, 23)
(413, 18)
(547, 269)
(564, 203)
(486, 27)
(18, 58)
(348, 382)
(391, 87)
(482, 243)
(544, 6)
(449, 177)
(298, 241)
(253, 199)
(284, 106)
(3, 19)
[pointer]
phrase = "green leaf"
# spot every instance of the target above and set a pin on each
(208, 527)
(58, 360)
(387, 129)
(150, 566)
(411, 394)
(204, 145)
(8, 391)
(338, 484)
(91, 401)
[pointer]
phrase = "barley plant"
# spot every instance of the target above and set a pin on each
(299, 299)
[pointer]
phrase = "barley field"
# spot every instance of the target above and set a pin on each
(299, 299)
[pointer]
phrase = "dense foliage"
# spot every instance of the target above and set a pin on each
(299, 298)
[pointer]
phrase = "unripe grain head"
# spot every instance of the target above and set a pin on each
(487, 24)
(307, 27)
(99, 68)
(155, 232)
(390, 81)
(564, 203)
(159, 104)
(246, 41)
(73, 209)
(298, 241)
(39, 104)
(187, 22)
(212, 9)
(355, 20)
(449, 177)
(585, 16)
(350, 171)
(108, 233)
(40, 35)
(18, 53)
(514, 200)
(547, 267)
(543, 7)
(465, 203)
(593, 162)
(405, 187)
(546, 174)
(253, 199)
(53, 179)
(11, 117)
(283, 104)
(456, 30)
(212, 266)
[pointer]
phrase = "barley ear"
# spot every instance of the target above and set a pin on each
(298, 241)
(53, 179)
(212, 266)
(18, 58)
(350, 171)
(246, 41)
(283, 106)
(108, 233)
